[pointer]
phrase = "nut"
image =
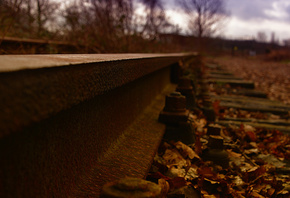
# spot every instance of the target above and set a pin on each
(175, 102)
(216, 142)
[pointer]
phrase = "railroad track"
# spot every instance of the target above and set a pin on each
(71, 123)
(239, 137)
(240, 97)
(13, 45)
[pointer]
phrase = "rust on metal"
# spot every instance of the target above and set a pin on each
(73, 123)
(52, 83)
(175, 109)
(213, 130)
(185, 88)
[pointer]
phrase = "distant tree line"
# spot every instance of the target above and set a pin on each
(28, 18)
(96, 25)
(104, 25)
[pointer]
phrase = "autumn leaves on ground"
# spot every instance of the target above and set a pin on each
(236, 160)
(269, 76)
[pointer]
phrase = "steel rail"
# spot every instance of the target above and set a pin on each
(70, 123)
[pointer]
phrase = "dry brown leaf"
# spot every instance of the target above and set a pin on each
(198, 145)
(164, 185)
(238, 181)
(186, 151)
(192, 173)
(251, 136)
(177, 182)
(251, 151)
(175, 172)
(270, 191)
(200, 123)
(173, 158)
(256, 195)
(209, 196)
(206, 172)
(249, 128)
(233, 154)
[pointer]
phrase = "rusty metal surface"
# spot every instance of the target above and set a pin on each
(10, 63)
(65, 131)
(33, 41)
(132, 154)
(83, 147)
(29, 96)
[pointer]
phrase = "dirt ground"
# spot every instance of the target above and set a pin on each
(270, 77)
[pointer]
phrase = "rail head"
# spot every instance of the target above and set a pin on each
(35, 87)
(10, 63)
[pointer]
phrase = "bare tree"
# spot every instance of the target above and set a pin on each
(44, 13)
(100, 25)
(156, 21)
(261, 37)
(286, 42)
(205, 15)
(274, 40)
(27, 18)
(9, 15)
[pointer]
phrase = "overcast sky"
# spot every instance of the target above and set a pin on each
(247, 17)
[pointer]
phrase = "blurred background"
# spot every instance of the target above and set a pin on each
(145, 26)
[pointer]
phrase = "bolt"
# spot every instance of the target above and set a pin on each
(175, 102)
(215, 153)
(131, 187)
(216, 142)
(209, 113)
(213, 130)
(175, 109)
(185, 82)
(186, 89)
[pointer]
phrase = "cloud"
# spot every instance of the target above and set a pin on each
(247, 17)
(248, 9)
(260, 9)
(287, 9)
(279, 10)
(251, 16)
(238, 28)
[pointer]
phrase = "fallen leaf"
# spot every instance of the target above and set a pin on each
(164, 185)
(253, 144)
(256, 195)
(198, 145)
(173, 158)
(186, 151)
(251, 151)
(249, 128)
(254, 173)
(251, 136)
(177, 182)
(238, 181)
(270, 159)
(270, 191)
(206, 172)
(200, 123)
(158, 175)
(192, 173)
(174, 171)
(209, 196)
(233, 154)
